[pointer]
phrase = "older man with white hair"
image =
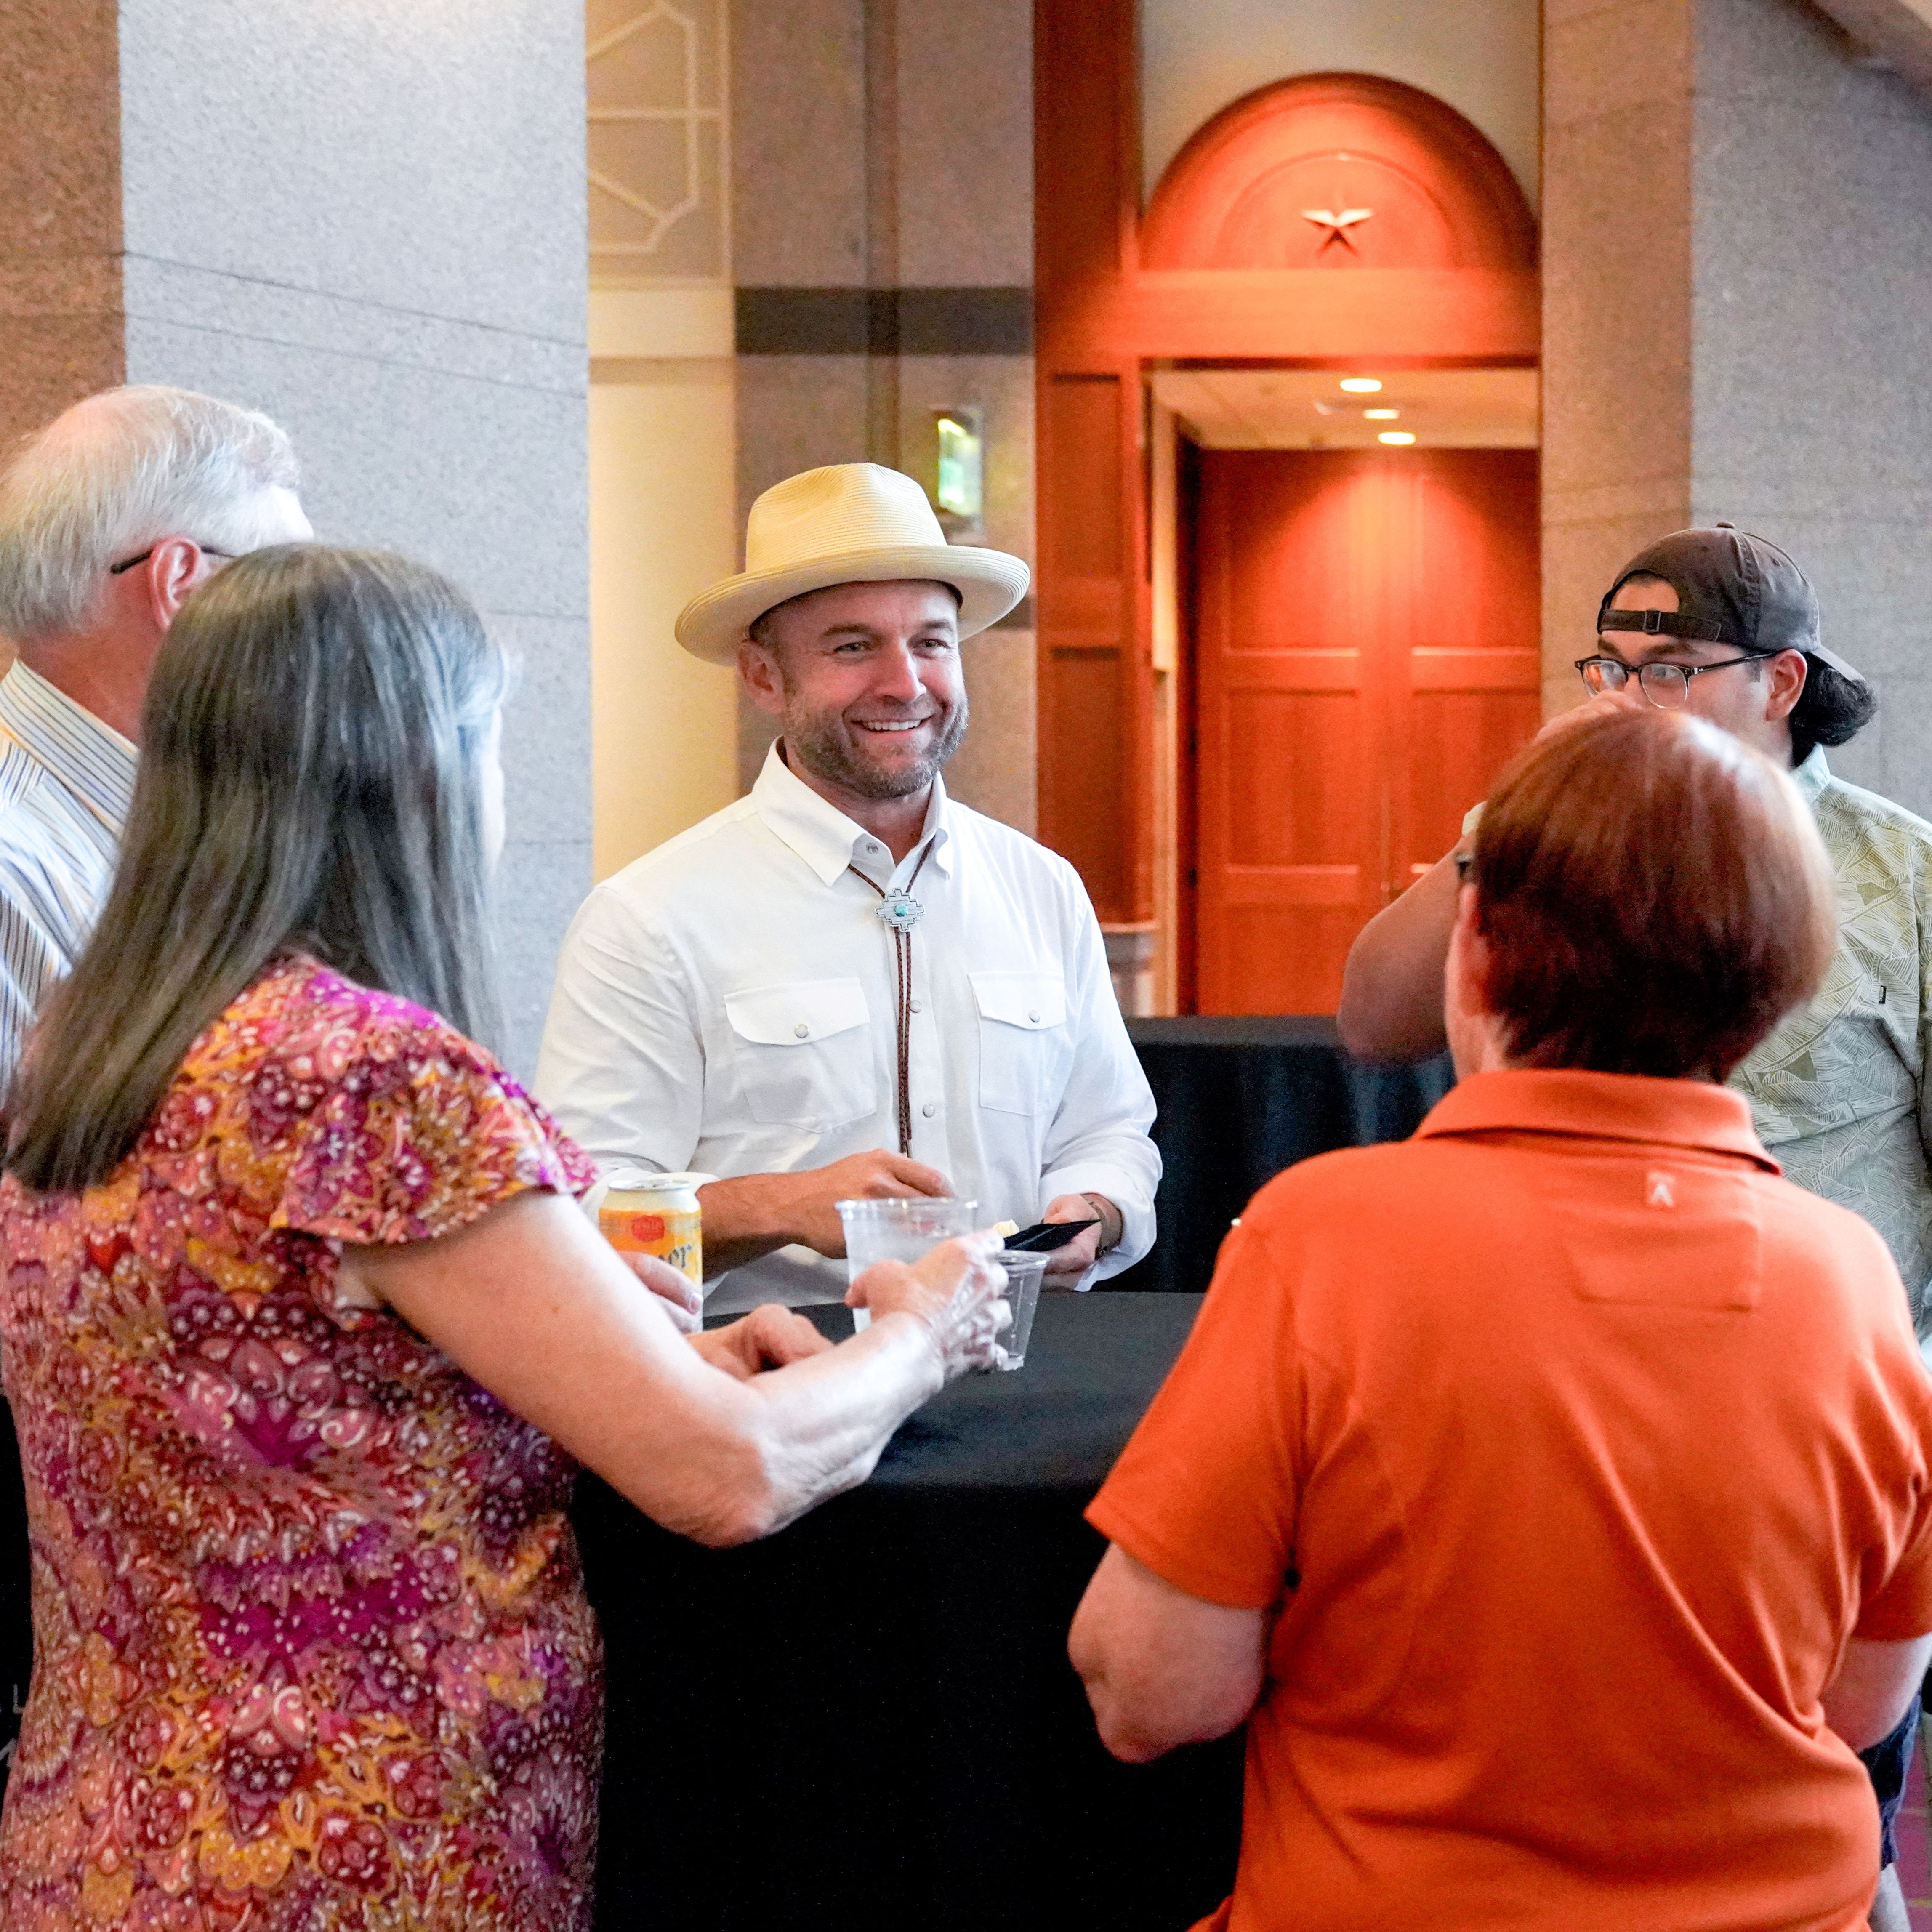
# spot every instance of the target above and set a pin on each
(109, 517)
(848, 984)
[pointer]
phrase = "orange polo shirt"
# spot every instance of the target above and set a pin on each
(1572, 1443)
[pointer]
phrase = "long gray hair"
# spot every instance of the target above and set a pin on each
(310, 779)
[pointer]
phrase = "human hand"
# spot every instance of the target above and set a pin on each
(1065, 1266)
(767, 1338)
(1628, 698)
(811, 1210)
(683, 1300)
(958, 1291)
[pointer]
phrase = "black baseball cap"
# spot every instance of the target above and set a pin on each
(1733, 588)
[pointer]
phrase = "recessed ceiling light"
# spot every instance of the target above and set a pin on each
(1381, 415)
(1398, 435)
(1361, 385)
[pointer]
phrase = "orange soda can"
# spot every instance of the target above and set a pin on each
(639, 1213)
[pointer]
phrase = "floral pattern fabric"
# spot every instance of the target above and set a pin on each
(312, 1652)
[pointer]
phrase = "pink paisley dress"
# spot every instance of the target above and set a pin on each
(312, 1652)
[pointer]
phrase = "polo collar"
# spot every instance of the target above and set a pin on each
(821, 835)
(87, 756)
(1571, 1101)
(1813, 776)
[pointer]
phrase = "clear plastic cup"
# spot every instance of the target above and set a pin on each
(1024, 1272)
(898, 1231)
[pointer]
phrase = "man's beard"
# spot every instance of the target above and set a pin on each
(823, 745)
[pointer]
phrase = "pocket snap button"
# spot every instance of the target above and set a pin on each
(802, 1031)
(1033, 1014)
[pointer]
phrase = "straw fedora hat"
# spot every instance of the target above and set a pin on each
(850, 523)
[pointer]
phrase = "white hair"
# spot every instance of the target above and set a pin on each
(117, 473)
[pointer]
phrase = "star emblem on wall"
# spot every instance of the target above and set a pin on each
(1337, 223)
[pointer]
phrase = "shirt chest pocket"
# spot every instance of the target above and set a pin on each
(1025, 1053)
(804, 1052)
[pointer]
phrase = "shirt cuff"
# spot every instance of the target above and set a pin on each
(1128, 1194)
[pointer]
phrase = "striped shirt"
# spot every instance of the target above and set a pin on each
(66, 781)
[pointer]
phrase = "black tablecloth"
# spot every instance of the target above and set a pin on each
(869, 1720)
(1238, 1100)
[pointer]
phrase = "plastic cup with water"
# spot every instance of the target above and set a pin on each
(1024, 1272)
(898, 1231)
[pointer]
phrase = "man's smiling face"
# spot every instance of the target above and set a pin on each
(865, 680)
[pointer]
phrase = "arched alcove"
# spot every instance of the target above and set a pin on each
(1338, 171)
(1254, 255)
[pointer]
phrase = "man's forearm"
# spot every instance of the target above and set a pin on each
(746, 1219)
(1391, 1005)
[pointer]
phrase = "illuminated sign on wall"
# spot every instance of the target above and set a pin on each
(959, 490)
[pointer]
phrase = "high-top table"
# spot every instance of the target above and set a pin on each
(1238, 1100)
(869, 1720)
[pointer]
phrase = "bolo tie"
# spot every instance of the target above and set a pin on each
(899, 912)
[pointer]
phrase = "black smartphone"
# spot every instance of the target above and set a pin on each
(1043, 1236)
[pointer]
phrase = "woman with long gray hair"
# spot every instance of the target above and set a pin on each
(303, 1329)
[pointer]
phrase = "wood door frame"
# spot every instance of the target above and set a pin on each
(1102, 321)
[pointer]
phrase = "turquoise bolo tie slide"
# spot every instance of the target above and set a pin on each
(900, 911)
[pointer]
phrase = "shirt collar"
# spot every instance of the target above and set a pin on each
(1813, 776)
(86, 755)
(821, 835)
(1600, 1106)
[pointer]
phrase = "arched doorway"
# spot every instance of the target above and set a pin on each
(1356, 645)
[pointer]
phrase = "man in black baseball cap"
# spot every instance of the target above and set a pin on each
(1723, 623)
(1730, 598)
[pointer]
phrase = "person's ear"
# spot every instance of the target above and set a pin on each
(1787, 674)
(758, 673)
(172, 571)
(1470, 949)
(1474, 1035)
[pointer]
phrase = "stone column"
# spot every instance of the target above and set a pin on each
(369, 222)
(1738, 319)
(1617, 119)
(60, 209)
(883, 251)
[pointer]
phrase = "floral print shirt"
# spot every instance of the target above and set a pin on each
(311, 1647)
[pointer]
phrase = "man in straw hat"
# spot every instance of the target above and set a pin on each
(1721, 622)
(847, 984)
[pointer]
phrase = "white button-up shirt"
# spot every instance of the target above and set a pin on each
(66, 781)
(726, 1004)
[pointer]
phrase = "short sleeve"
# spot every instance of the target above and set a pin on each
(1902, 1609)
(419, 1133)
(1896, 1604)
(1206, 1493)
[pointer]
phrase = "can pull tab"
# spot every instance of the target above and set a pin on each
(635, 1177)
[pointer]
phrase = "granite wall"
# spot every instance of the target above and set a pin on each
(368, 220)
(1738, 319)
(60, 208)
(882, 162)
(1811, 312)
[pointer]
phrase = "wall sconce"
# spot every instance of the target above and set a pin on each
(959, 490)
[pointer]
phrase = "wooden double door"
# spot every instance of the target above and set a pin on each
(1365, 660)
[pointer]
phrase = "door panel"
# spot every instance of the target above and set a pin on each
(1366, 659)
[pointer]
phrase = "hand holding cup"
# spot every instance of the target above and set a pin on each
(958, 1290)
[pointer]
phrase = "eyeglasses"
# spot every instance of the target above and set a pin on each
(129, 562)
(1667, 686)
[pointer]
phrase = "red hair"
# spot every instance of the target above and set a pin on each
(1654, 897)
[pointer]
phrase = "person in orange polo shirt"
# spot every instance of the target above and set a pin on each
(1551, 1492)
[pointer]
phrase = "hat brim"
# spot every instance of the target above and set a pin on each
(990, 583)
